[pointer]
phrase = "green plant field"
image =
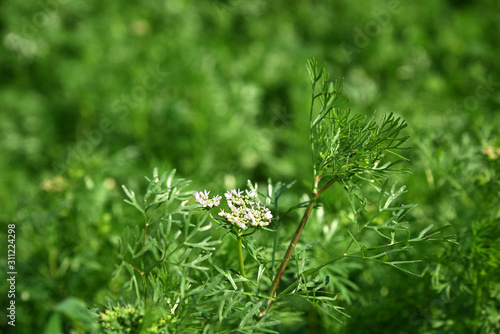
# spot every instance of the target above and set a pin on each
(95, 95)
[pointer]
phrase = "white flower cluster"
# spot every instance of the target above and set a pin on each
(245, 208)
(202, 198)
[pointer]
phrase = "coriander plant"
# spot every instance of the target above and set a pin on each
(169, 260)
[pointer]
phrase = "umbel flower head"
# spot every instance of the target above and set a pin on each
(245, 209)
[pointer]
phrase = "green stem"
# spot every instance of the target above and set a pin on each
(313, 148)
(241, 263)
(143, 273)
(277, 222)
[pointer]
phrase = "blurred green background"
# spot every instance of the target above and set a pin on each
(93, 95)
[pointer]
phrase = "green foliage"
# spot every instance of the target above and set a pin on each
(339, 141)
(94, 95)
(465, 273)
(345, 145)
(170, 262)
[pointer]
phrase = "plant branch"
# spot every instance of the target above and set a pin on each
(295, 239)
(326, 186)
(143, 272)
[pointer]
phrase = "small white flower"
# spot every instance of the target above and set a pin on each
(202, 198)
(250, 193)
